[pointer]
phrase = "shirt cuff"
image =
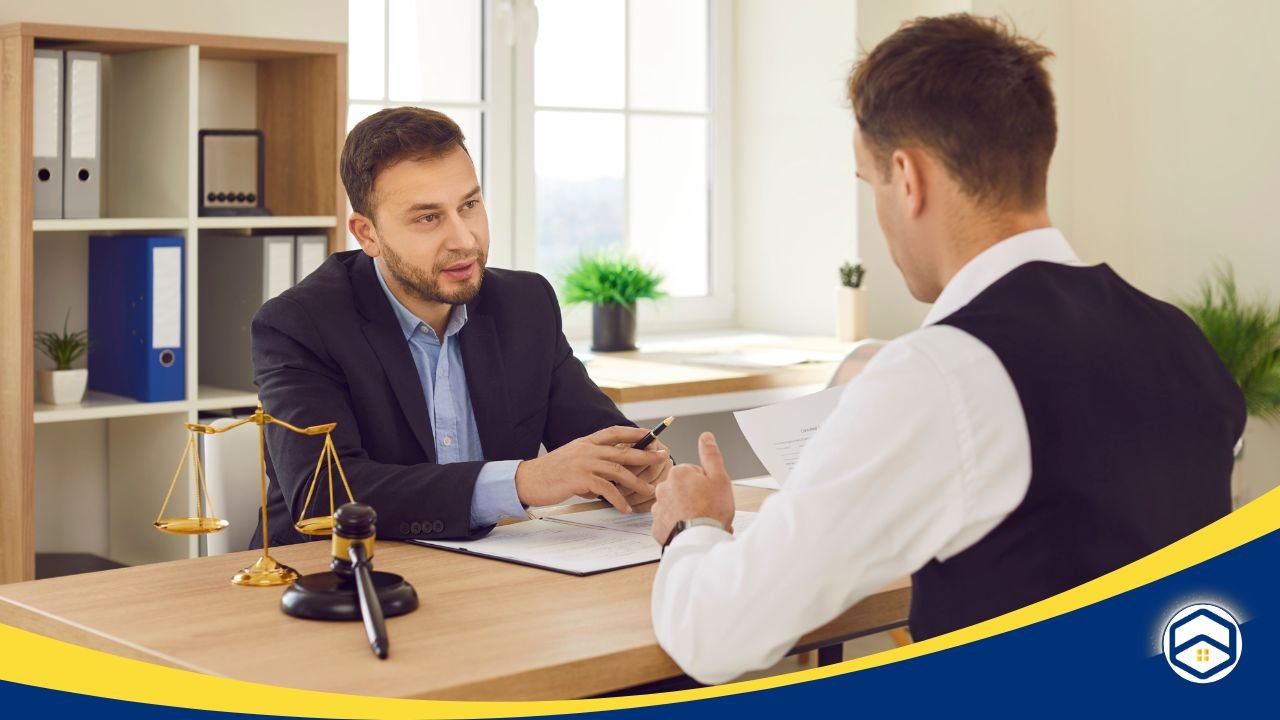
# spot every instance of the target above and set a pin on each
(495, 495)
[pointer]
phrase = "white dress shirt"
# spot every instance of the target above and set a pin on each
(925, 454)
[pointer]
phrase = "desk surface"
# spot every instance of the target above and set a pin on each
(486, 630)
(712, 364)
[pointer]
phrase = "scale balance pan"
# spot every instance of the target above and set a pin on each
(191, 525)
(322, 525)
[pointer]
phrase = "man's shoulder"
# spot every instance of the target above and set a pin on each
(938, 350)
(325, 293)
(330, 282)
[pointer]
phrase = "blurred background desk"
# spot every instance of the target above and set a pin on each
(703, 378)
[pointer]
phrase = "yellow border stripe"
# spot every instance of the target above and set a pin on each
(39, 661)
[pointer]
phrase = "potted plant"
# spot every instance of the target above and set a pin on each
(1246, 336)
(63, 385)
(851, 303)
(612, 283)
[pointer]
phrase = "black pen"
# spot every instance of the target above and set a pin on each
(650, 436)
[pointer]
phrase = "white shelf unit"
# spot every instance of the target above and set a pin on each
(93, 474)
(110, 225)
(266, 223)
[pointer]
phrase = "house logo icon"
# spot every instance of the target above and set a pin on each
(1202, 643)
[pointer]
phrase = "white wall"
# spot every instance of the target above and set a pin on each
(1167, 160)
(797, 198)
(1176, 155)
(795, 211)
(324, 20)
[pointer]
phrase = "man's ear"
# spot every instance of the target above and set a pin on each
(365, 232)
(909, 171)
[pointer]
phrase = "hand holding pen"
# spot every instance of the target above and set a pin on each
(650, 475)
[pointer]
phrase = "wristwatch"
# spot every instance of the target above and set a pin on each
(683, 525)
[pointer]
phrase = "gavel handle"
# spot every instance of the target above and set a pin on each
(374, 624)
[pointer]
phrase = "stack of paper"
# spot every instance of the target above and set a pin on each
(582, 543)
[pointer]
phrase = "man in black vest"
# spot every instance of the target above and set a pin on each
(442, 386)
(1047, 425)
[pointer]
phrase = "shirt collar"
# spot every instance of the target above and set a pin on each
(1044, 244)
(409, 323)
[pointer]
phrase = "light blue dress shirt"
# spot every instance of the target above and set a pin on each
(453, 422)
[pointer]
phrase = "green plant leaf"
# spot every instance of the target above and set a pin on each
(1245, 334)
(63, 348)
(609, 278)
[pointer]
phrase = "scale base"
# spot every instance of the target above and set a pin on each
(325, 596)
(265, 573)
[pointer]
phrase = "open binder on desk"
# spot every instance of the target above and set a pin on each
(582, 543)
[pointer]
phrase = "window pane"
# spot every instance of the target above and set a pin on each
(578, 58)
(471, 123)
(579, 161)
(670, 196)
(436, 48)
(368, 48)
(669, 54)
(358, 112)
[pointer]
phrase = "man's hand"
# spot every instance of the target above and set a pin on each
(651, 476)
(595, 464)
(693, 492)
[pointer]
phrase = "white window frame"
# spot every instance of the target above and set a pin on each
(497, 48)
(507, 107)
(717, 308)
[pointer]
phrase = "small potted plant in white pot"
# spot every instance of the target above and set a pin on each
(63, 385)
(612, 283)
(851, 303)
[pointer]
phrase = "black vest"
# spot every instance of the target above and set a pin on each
(1132, 420)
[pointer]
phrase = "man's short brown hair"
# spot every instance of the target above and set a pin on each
(973, 94)
(388, 137)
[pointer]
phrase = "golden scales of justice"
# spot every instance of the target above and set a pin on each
(266, 571)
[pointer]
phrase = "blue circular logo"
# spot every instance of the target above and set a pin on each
(1202, 643)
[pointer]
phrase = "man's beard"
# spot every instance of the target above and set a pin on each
(426, 287)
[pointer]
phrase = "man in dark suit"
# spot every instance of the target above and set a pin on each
(442, 386)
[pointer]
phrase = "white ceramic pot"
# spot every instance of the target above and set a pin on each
(63, 387)
(851, 313)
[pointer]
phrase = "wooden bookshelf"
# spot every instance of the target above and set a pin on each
(159, 90)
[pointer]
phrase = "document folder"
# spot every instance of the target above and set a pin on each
(46, 134)
(238, 273)
(82, 144)
(136, 325)
(311, 252)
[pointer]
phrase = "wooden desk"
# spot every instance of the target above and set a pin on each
(698, 374)
(486, 630)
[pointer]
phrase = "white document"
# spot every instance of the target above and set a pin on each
(762, 481)
(573, 549)
(577, 543)
(767, 358)
(778, 433)
(638, 523)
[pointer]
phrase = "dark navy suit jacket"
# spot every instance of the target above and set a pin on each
(330, 350)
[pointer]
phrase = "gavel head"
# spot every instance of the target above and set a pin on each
(353, 523)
